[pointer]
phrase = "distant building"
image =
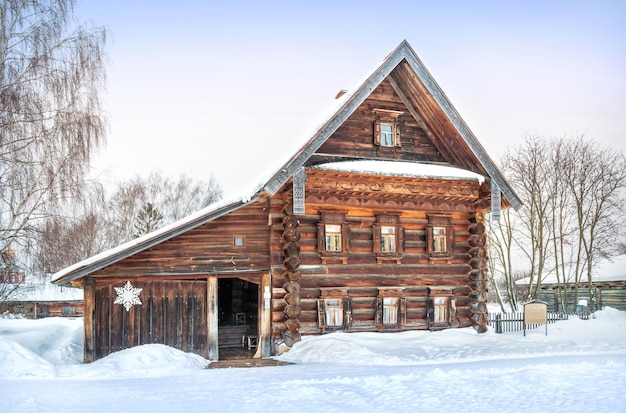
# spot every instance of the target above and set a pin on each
(44, 300)
(608, 289)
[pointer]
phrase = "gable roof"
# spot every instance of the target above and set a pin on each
(420, 94)
(427, 104)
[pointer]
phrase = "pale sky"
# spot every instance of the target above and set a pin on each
(205, 87)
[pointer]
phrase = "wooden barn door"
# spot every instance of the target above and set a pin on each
(173, 313)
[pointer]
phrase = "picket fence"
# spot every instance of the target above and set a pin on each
(506, 322)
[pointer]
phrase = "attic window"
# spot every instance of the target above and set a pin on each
(386, 128)
(238, 241)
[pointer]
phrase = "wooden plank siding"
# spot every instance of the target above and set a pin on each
(172, 313)
(208, 249)
(354, 138)
(173, 276)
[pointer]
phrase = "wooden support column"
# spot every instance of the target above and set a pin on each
(89, 332)
(478, 275)
(291, 251)
(212, 319)
(265, 322)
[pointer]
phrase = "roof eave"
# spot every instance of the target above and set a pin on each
(133, 247)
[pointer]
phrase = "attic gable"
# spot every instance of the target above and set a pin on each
(452, 142)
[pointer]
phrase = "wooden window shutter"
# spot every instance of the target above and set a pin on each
(396, 133)
(400, 239)
(376, 238)
(379, 312)
(450, 239)
(429, 239)
(377, 133)
(321, 314)
(402, 311)
(347, 312)
(451, 310)
(321, 237)
(345, 237)
(430, 311)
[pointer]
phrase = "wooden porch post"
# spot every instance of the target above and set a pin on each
(265, 327)
(89, 333)
(212, 318)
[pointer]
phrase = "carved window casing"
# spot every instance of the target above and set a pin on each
(333, 236)
(441, 307)
(388, 238)
(387, 128)
(334, 309)
(439, 236)
(390, 308)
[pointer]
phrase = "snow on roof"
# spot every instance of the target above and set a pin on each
(406, 169)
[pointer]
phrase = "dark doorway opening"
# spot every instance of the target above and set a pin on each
(238, 305)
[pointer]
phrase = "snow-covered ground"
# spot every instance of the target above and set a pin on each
(580, 366)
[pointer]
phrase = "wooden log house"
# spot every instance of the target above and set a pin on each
(321, 246)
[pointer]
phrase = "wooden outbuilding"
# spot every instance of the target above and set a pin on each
(328, 243)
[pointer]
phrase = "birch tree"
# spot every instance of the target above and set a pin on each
(51, 123)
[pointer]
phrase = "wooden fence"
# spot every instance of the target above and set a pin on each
(506, 322)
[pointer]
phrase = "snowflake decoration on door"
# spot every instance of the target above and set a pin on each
(127, 295)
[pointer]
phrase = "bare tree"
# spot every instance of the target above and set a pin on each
(530, 171)
(174, 199)
(595, 178)
(136, 207)
(50, 118)
(573, 194)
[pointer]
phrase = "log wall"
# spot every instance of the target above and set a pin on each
(361, 271)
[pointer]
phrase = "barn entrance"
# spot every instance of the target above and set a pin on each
(238, 318)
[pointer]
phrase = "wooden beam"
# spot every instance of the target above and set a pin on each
(89, 332)
(212, 319)
(265, 319)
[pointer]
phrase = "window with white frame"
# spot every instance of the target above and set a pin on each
(390, 310)
(387, 128)
(334, 312)
(332, 234)
(387, 239)
(386, 134)
(439, 239)
(440, 309)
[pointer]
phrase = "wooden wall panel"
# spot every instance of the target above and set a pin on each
(355, 137)
(208, 249)
(172, 313)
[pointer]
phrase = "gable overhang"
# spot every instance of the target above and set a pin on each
(450, 135)
(69, 275)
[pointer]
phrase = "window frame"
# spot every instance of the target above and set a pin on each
(387, 117)
(344, 309)
(333, 218)
(388, 220)
(390, 310)
(398, 320)
(443, 314)
(389, 247)
(436, 222)
(333, 238)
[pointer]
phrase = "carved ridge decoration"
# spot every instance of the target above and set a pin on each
(345, 185)
(385, 202)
